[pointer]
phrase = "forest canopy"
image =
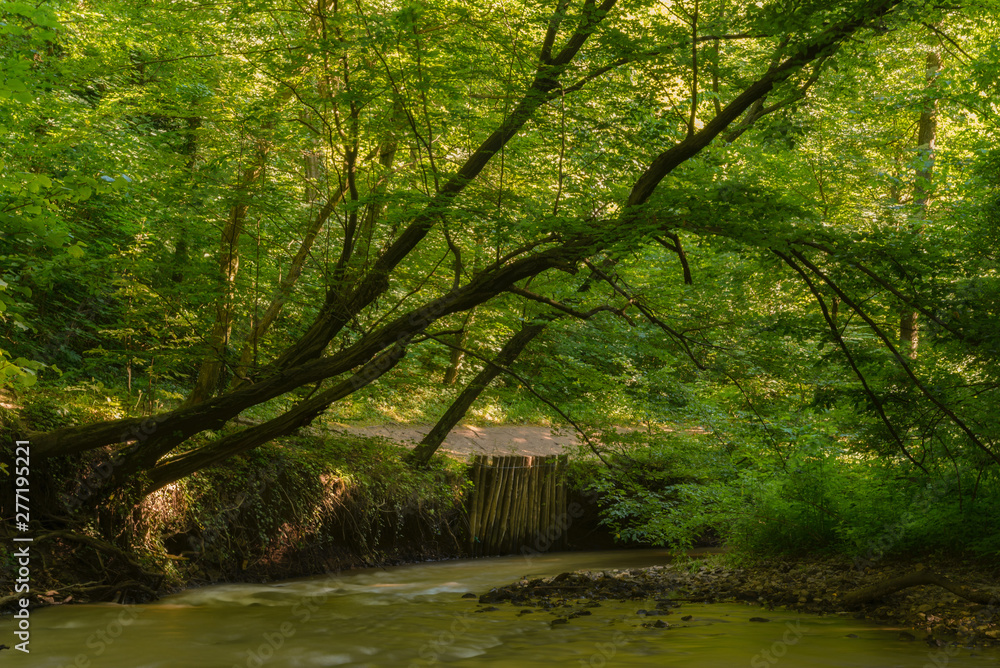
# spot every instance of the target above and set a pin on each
(776, 220)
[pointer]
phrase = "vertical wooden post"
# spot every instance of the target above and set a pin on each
(561, 462)
(550, 500)
(476, 503)
(515, 504)
(490, 507)
(519, 533)
(539, 502)
(496, 504)
(530, 530)
(504, 523)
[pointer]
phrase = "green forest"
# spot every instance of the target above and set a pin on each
(746, 252)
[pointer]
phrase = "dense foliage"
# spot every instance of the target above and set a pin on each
(774, 222)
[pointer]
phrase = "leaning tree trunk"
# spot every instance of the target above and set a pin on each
(432, 441)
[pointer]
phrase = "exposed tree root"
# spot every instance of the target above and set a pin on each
(108, 592)
(916, 579)
(112, 585)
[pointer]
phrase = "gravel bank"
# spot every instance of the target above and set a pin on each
(817, 586)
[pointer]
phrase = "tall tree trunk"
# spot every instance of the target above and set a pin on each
(422, 454)
(229, 264)
(284, 289)
(312, 162)
(457, 353)
(181, 260)
(909, 336)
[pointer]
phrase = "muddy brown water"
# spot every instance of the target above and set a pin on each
(415, 616)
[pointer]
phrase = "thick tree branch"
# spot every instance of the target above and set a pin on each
(822, 45)
(915, 579)
(422, 454)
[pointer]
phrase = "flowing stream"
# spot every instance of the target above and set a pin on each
(415, 615)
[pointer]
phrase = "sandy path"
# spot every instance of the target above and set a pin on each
(467, 440)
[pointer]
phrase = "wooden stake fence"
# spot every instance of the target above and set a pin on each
(518, 504)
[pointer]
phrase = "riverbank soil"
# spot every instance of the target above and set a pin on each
(924, 613)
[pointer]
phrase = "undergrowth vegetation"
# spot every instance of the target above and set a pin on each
(763, 498)
(313, 496)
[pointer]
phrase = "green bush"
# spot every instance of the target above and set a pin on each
(789, 493)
